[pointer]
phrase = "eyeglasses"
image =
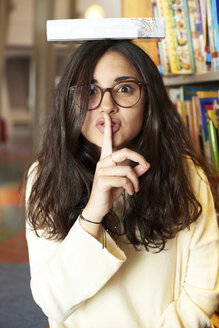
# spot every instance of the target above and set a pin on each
(124, 94)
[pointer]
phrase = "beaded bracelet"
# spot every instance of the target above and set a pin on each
(103, 230)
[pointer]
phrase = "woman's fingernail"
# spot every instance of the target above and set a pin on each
(146, 165)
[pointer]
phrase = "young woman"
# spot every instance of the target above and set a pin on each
(121, 224)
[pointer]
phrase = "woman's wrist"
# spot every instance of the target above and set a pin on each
(93, 229)
(93, 226)
(90, 221)
(90, 215)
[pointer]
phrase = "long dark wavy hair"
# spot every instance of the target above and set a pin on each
(66, 163)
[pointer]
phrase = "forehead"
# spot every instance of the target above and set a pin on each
(112, 65)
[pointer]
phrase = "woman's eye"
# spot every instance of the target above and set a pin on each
(125, 89)
(93, 90)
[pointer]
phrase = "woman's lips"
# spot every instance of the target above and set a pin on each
(116, 124)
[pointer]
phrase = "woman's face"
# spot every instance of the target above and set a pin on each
(126, 122)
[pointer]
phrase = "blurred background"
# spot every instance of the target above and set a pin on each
(29, 65)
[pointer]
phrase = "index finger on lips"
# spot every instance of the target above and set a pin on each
(107, 146)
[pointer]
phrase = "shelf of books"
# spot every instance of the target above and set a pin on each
(199, 107)
(192, 41)
(189, 63)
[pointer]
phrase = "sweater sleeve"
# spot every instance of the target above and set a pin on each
(198, 294)
(65, 274)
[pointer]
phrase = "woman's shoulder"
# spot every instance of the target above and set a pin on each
(207, 220)
(32, 170)
(196, 173)
(31, 177)
(202, 189)
(202, 185)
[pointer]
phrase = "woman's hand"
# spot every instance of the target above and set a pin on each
(110, 178)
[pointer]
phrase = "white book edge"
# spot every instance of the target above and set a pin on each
(79, 30)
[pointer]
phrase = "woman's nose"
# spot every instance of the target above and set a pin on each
(107, 103)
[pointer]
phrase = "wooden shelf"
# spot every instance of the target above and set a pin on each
(19, 51)
(178, 80)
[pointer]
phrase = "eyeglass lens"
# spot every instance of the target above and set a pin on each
(124, 94)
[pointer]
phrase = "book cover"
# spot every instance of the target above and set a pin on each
(202, 30)
(163, 44)
(211, 36)
(215, 23)
(179, 37)
(216, 109)
(79, 30)
(187, 92)
(198, 143)
(189, 35)
(191, 121)
(206, 98)
(182, 109)
(206, 35)
(194, 15)
(213, 136)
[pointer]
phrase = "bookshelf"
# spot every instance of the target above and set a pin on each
(188, 59)
(180, 80)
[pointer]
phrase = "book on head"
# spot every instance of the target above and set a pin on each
(80, 30)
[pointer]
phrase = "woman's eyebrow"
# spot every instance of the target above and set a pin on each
(93, 81)
(121, 78)
(118, 79)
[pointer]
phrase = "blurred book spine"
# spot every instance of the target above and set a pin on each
(192, 35)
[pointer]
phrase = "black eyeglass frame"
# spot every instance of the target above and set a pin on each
(103, 90)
